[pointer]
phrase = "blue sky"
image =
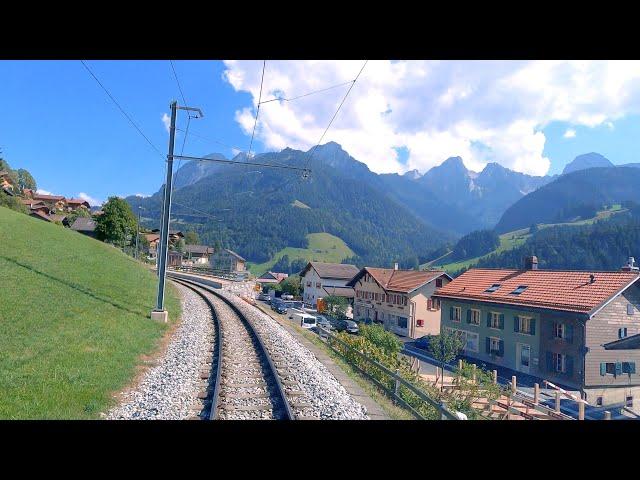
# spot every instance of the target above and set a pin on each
(59, 124)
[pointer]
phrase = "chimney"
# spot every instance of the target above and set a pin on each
(395, 266)
(531, 263)
(629, 267)
(592, 278)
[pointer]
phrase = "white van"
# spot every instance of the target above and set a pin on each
(306, 320)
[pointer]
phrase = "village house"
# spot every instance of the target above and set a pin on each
(198, 254)
(316, 276)
(577, 329)
(5, 182)
(85, 225)
(54, 202)
(153, 239)
(74, 204)
(227, 261)
(271, 278)
(35, 206)
(401, 300)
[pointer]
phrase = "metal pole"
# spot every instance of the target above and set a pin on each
(164, 234)
(138, 234)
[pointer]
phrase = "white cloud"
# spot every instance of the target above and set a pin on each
(610, 125)
(166, 120)
(94, 202)
(235, 151)
(436, 109)
(43, 192)
(142, 195)
(570, 133)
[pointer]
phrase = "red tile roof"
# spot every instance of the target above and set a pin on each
(340, 271)
(77, 201)
(398, 280)
(57, 198)
(552, 289)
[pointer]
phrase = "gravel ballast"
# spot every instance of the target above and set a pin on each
(326, 397)
(169, 390)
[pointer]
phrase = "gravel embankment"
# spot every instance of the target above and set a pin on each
(169, 390)
(327, 397)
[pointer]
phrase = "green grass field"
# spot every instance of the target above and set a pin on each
(323, 247)
(516, 238)
(73, 320)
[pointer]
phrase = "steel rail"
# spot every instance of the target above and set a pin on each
(215, 395)
(289, 415)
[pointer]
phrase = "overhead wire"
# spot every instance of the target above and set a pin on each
(127, 116)
(307, 94)
(310, 157)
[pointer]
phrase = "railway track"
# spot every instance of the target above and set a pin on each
(243, 382)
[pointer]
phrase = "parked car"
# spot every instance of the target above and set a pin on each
(307, 321)
(281, 308)
(324, 322)
(275, 303)
(286, 296)
(345, 326)
(264, 297)
(422, 342)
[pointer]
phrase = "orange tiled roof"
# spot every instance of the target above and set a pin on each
(398, 280)
(553, 289)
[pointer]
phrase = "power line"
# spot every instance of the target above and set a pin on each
(178, 82)
(264, 62)
(310, 93)
(195, 210)
(209, 139)
(335, 114)
(122, 110)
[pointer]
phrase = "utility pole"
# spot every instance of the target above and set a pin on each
(159, 313)
(138, 233)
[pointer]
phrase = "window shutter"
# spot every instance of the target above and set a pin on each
(603, 369)
(488, 319)
(516, 324)
(632, 367)
(501, 348)
(569, 365)
(568, 329)
(549, 362)
(450, 313)
(488, 344)
(618, 368)
(468, 316)
(429, 304)
(501, 321)
(532, 323)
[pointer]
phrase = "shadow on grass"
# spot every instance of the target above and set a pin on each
(79, 288)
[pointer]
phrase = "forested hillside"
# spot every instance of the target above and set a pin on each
(603, 245)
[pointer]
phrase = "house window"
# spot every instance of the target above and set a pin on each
(436, 304)
(495, 320)
(455, 313)
(610, 368)
(475, 317)
(558, 330)
(402, 322)
(599, 402)
(318, 285)
(629, 400)
(308, 284)
(438, 282)
(629, 367)
(473, 342)
(525, 325)
(493, 288)
(629, 309)
(519, 290)
(494, 345)
(622, 332)
(559, 363)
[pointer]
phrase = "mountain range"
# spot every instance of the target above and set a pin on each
(382, 217)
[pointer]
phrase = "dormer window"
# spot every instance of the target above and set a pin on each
(493, 288)
(519, 290)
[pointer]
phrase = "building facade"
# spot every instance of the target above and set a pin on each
(401, 300)
(317, 276)
(574, 329)
(227, 261)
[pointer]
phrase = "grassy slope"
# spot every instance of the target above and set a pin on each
(73, 320)
(516, 238)
(321, 249)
